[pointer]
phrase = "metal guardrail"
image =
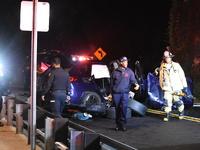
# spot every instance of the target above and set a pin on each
(56, 132)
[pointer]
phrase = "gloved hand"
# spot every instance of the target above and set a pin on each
(185, 90)
(68, 99)
(110, 97)
(131, 94)
(157, 70)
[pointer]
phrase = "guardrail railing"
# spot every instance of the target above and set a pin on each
(55, 132)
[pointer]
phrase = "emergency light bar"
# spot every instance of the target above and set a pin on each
(81, 58)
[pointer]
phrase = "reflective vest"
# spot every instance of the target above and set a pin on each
(172, 78)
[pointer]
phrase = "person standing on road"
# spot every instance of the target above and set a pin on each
(58, 85)
(1, 100)
(121, 81)
(172, 82)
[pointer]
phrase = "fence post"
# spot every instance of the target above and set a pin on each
(3, 111)
(56, 130)
(49, 140)
(10, 106)
(77, 140)
(40, 121)
(19, 118)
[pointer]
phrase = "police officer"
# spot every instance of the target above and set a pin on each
(1, 101)
(59, 86)
(172, 80)
(121, 81)
(1, 92)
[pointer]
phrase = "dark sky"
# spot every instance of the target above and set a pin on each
(134, 28)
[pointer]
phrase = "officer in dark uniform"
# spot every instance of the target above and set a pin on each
(1, 100)
(58, 85)
(121, 80)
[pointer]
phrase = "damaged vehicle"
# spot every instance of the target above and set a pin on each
(89, 81)
(90, 84)
(155, 96)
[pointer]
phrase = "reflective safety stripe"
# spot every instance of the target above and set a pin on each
(173, 115)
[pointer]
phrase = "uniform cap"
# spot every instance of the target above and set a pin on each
(123, 59)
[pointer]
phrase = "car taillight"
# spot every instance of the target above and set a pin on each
(73, 79)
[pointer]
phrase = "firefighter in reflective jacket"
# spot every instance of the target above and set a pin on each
(172, 80)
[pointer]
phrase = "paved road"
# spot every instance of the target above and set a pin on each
(150, 132)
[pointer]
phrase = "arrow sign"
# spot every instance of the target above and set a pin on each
(100, 54)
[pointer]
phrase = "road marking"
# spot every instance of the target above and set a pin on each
(173, 115)
(196, 105)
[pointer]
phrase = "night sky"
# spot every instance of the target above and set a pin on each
(137, 29)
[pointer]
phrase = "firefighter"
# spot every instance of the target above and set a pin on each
(172, 80)
(121, 81)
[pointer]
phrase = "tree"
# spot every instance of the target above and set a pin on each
(184, 35)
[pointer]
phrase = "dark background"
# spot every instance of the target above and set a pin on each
(137, 29)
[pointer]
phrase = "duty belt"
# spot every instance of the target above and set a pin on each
(64, 91)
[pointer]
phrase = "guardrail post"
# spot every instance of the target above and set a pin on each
(56, 130)
(19, 118)
(28, 128)
(76, 140)
(3, 111)
(40, 121)
(10, 106)
(49, 134)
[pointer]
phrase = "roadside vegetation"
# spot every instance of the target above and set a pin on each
(184, 38)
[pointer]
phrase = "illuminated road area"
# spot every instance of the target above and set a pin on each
(151, 132)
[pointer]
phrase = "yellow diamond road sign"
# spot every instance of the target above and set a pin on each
(100, 54)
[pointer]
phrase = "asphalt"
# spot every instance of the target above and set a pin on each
(150, 132)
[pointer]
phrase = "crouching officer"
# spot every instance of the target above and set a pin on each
(121, 81)
(172, 80)
(59, 86)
